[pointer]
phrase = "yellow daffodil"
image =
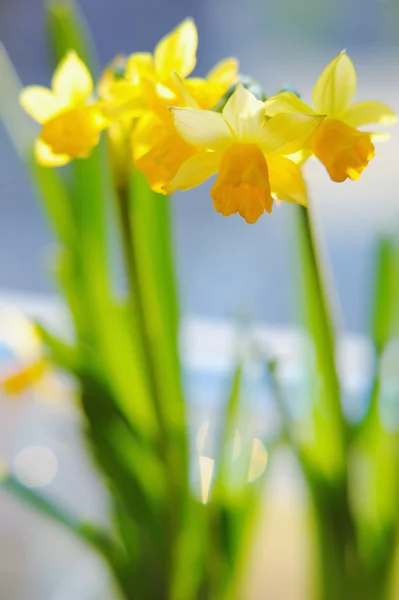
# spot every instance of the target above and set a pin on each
(344, 150)
(248, 153)
(158, 148)
(152, 83)
(71, 122)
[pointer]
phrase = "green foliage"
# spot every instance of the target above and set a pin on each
(123, 353)
(352, 471)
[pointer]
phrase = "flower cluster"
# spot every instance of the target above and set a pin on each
(170, 126)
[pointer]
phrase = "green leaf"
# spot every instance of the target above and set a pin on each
(87, 533)
(61, 353)
(329, 446)
(101, 322)
(385, 288)
(224, 458)
(67, 30)
(153, 255)
(383, 317)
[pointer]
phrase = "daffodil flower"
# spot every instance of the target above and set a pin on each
(344, 150)
(158, 149)
(153, 82)
(71, 122)
(248, 153)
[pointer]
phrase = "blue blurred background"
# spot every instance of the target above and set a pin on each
(225, 266)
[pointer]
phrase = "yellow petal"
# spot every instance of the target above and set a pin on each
(177, 51)
(188, 100)
(224, 73)
(71, 81)
(73, 132)
(46, 157)
(202, 128)
(363, 113)
(207, 92)
(344, 151)
(286, 102)
(287, 133)
(39, 102)
(336, 87)
(242, 185)
(140, 64)
(25, 377)
(159, 150)
(123, 100)
(195, 171)
(244, 113)
(286, 180)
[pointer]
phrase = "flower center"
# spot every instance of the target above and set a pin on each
(344, 151)
(242, 185)
(73, 132)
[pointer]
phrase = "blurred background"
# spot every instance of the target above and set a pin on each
(225, 266)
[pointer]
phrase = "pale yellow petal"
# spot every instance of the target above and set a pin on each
(336, 87)
(47, 158)
(202, 128)
(377, 137)
(225, 72)
(244, 113)
(363, 113)
(286, 180)
(177, 51)
(39, 102)
(72, 81)
(287, 133)
(286, 102)
(195, 171)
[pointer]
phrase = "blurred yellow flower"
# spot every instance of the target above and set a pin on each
(344, 150)
(247, 151)
(152, 83)
(25, 377)
(20, 336)
(71, 121)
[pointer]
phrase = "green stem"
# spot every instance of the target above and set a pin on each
(136, 304)
(316, 278)
(168, 518)
(343, 572)
(318, 313)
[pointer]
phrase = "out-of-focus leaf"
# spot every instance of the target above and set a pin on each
(224, 459)
(68, 31)
(234, 502)
(376, 447)
(384, 287)
(61, 353)
(328, 447)
(88, 533)
(191, 552)
(117, 345)
(150, 222)
(384, 315)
